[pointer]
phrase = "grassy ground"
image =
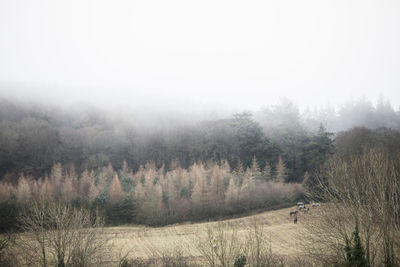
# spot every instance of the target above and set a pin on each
(147, 242)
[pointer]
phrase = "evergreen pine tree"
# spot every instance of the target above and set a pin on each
(281, 171)
(217, 186)
(266, 173)
(68, 192)
(355, 251)
(116, 194)
(56, 178)
(239, 168)
(46, 190)
(231, 196)
(23, 190)
(6, 191)
(254, 171)
(358, 257)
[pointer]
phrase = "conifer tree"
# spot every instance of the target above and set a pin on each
(358, 250)
(68, 192)
(116, 194)
(139, 193)
(355, 251)
(23, 190)
(217, 185)
(252, 177)
(239, 168)
(93, 191)
(201, 196)
(84, 183)
(139, 196)
(231, 196)
(73, 176)
(56, 178)
(56, 174)
(281, 171)
(197, 171)
(171, 194)
(254, 172)
(46, 190)
(155, 205)
(225, 166)
(35, 189)
(126, 177)
(6, 190)
(244, 194)
(266, 173)
(238, 172)
(124, 167)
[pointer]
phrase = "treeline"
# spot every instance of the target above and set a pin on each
(356, 112)
(155, 196)
(33, 138)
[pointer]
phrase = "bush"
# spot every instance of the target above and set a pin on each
(8, 215)
(355, 255)
(240, 261)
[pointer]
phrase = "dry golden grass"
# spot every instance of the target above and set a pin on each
(148, 242)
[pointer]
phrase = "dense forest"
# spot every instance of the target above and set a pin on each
(155, 196)
(105, 160)
(130, 172)
(34, 137)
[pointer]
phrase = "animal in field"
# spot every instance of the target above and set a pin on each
(293, 212)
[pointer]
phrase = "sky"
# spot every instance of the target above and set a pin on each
(223, 53)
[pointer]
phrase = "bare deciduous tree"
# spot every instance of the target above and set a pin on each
(221, 245)
(64, 234)
(365, 191)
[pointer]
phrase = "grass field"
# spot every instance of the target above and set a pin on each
(147, 242)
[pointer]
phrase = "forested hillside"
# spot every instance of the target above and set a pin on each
(189, 170)
(34, 137)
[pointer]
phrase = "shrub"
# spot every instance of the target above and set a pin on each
(240, 261)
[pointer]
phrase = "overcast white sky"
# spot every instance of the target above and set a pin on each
(214, 52)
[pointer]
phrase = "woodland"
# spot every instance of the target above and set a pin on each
(71, 170)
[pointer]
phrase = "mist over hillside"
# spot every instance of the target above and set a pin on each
(118, 116)
(35, 135)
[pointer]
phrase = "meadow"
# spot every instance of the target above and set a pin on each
(155, 242)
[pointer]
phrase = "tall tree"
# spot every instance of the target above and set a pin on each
(281, 171)
(254, 172)
(355, 254)
(266, 173)
(201, 196)
(250, 138)
(23, 191)
(68, 191)
(217, 188)
(319, 149)
(231, 196)
(116, 194)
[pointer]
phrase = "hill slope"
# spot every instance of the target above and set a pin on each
(148, 242)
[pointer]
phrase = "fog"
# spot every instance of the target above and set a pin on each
(187, 56)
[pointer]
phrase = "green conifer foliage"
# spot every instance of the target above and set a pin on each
(354, 251)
